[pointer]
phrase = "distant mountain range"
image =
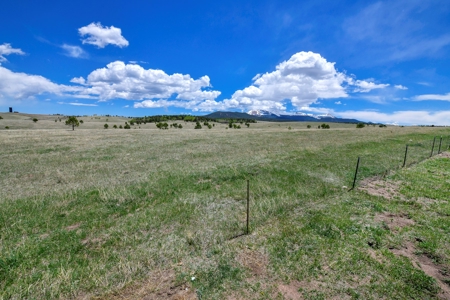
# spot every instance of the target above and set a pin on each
(264, 115)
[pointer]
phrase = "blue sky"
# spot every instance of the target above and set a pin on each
(379, 61)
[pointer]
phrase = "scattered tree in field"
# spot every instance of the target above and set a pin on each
(289, 128)
(180, 126)
(247, 124)
(56, 120)
(6, 127)
(162, 125)
(360, 125)
(318, 126)
(81, 121)
(209, 126)
(308, 126)
(325, 126)
(120, 127)
(197, 125)
(115, 126)
(35, 120)
(127, 126)
(1, 117)
(72, 121)
(106, 126)
(382, 125)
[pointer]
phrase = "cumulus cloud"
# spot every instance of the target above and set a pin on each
(74, 51)
(6, 49)
(102, 36)
(303, 79)
(445, 97)
(22, 86)
(400, 87)
(133, 82)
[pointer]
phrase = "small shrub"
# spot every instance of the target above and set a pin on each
(209, 126)
(56, 120)
(289, 128)
(197, 125)
(127, 126)
(35, 120)
(325, 126)
(106, 126)
(360, 125)
(308, 126)
(81, 121)
(2, 118)
(382, 125)
(180, 126)
(120, 127)
(115, 126)
(6, 127)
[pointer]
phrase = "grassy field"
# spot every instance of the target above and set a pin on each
(128, 214)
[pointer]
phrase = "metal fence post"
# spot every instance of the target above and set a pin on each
(432, 148)
(440, 142)
(406, 153)
(356, 174)
(248, 205)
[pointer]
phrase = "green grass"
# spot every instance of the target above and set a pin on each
(90, 212)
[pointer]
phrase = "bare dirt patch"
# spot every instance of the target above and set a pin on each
(444, 154)
(254, 261)
(428, 266)
(394, 221)
(290, 291)
(381, 188)
(160, 285)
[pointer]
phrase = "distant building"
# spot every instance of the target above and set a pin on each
(10, 110)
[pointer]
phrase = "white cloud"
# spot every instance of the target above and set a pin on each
(74, 51)
(79, 80)
(102, 36)
(338, 102)
(445, 97)
(6, 49)
(303, 79)
(400, 117)
(81, 104)
(400, 87)
(365, 86)
(132, 82)
(22, 86)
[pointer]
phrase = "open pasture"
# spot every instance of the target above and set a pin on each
(146, 212)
